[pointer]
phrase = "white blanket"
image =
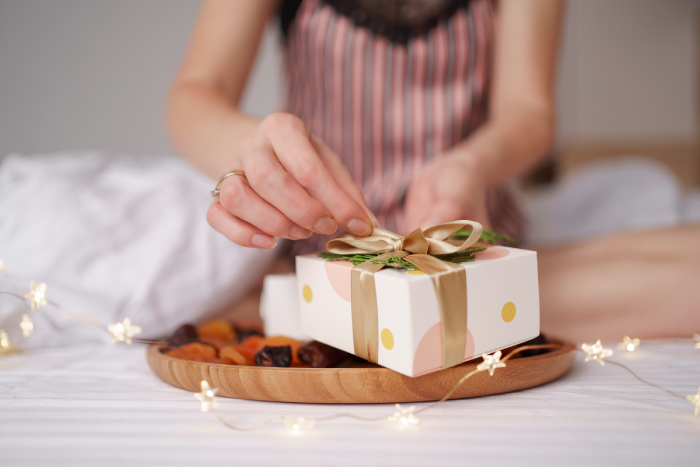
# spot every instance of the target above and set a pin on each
(114, 236)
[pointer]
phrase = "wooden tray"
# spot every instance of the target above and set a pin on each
(367, 384)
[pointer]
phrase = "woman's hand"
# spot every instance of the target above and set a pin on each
(294, 185)
(452, 188)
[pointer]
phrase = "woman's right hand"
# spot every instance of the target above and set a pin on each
(294, 185)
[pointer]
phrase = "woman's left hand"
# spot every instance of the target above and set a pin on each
(452, 188)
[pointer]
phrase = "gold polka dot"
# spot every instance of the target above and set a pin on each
(416, 271)
(387, 339)
(308, 295)
(508, 312)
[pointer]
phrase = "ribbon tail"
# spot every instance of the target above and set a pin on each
(365, 314)
(450, 283)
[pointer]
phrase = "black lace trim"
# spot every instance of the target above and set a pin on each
(393, 19)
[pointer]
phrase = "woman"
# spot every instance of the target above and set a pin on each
(391, 97)
(403, 114)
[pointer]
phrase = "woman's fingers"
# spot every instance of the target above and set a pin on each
(291, 142)
(342, 176)
(238, 198)
(236, 230)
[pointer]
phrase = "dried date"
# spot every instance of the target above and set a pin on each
(280, 356)
(185, 334)
(320, 355)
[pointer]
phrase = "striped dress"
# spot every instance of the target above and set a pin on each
(389, 101)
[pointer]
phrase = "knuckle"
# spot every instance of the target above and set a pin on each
(307, 175)
(284, 122)
(232, 193)
(259, 171)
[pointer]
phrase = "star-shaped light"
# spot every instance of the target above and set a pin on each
(697, 340)
(596, 352)
(4, 342)
(403, 416)
(299, 424)
(206, 397)
(123, 332)
(27, 325)
(628, 344)
(491, 362)
(2, 265)
(36, 295)
(695, 399)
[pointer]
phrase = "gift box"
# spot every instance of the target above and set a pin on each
(415, 319)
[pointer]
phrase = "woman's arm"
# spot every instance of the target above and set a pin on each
(294, 184)
(520, 128)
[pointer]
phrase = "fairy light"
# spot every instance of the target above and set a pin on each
(404, 417)
(2, 265)
(36, 295)
(299, 424)
(206, 397)
(123, 332)
(628, 344)
(697, 340)
(491, 362)
(695, 400)
(26, 325)
(596, 352)
(5, 345)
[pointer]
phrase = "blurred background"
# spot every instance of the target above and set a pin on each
(79, 74)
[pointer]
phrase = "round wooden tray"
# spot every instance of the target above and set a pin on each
(358, 385)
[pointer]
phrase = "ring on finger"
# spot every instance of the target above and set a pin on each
(217, 190)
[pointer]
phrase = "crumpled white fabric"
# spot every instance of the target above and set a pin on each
(632, 193)
(114, 236)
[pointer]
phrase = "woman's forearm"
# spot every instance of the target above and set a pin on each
(506, 148)
(203, 125)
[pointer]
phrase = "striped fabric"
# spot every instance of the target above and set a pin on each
(388, 108)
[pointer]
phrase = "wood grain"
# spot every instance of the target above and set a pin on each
(358, 385)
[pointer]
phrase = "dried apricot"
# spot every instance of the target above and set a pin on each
(217, 328)
(217, 342)
(195, 351)
(236, 357)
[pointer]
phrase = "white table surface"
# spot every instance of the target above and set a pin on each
(101, 405)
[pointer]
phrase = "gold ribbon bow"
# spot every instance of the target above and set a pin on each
(449, 281)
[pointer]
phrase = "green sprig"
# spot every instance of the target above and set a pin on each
(487, 236)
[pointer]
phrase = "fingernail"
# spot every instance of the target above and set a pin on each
(373, 218)
(298, 232)
(325, 226)
(263, 241)
(359, 227)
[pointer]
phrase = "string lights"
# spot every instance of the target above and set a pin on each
(126, 331)
(628, 344)
(596, 352)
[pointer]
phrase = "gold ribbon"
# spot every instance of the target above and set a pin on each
(449, 281)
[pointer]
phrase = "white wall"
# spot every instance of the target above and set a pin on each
(80, 74)
(629, 70)
(94, 73)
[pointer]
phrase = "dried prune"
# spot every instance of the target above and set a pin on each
(539, 340)
(280, 356)
(320, 355)
(243, 334)
(183, 335)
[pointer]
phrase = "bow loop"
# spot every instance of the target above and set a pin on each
(431, 241)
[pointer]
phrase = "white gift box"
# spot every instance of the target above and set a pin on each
(503, 308)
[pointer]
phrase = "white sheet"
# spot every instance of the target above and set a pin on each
(101, 405)
(113, 236)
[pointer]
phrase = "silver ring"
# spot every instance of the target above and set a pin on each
(216, 191)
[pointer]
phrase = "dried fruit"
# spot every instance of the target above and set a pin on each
(243, 334)
(215, 341)
(195, 351)
(236, 356)
(183, 335)
(219, 328)
(280, 356)
(320, 355)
